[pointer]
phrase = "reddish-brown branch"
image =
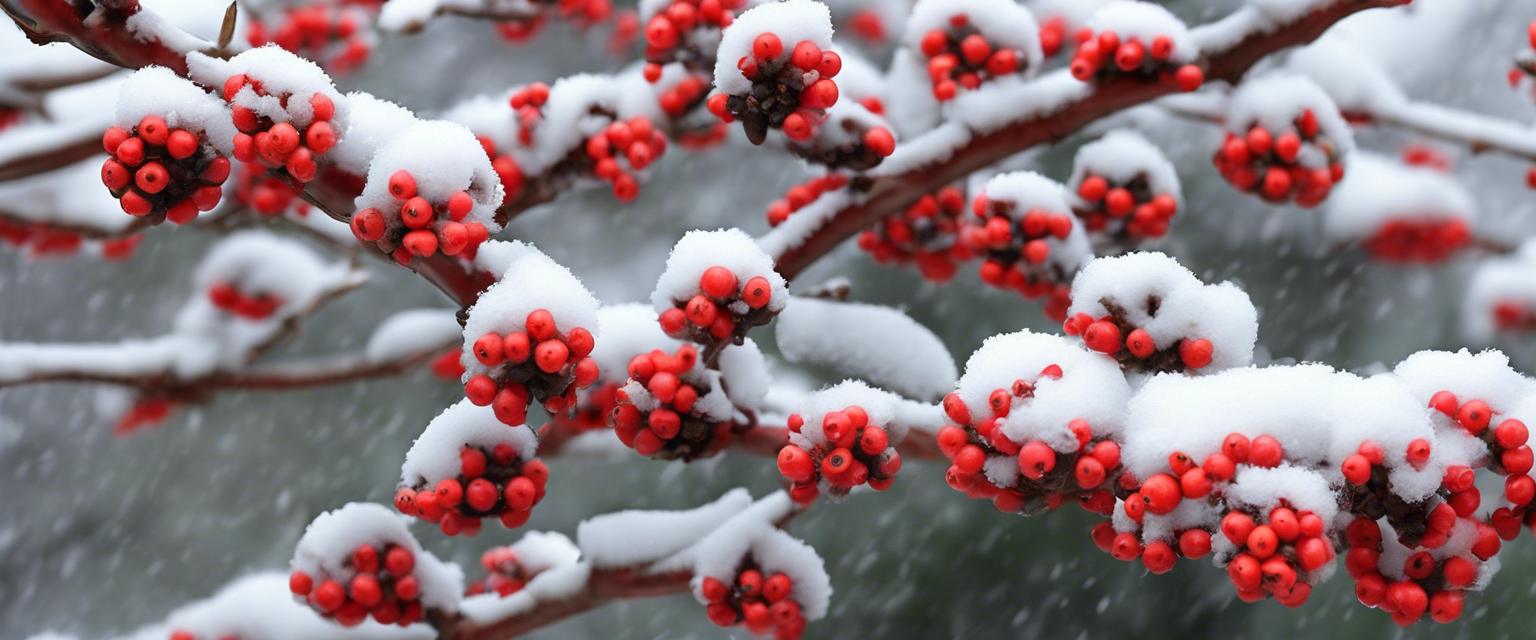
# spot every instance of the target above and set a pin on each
(887, 195)
(603, 586)
(100, 31)
(63, 154)
(135, 227)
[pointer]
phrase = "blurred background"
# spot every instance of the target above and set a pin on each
(103, 534)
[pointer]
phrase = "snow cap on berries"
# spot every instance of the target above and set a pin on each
(1144, 21)
(158, 91)
(885, 409)
(288, 81)
(1276, 100)
(259, 605)
(1121, 156)
(793, 21)
(375, 122)
(1028, 191)
(1263, 489)
(1004, 23)
(634, 537)
(531, 282)
(443, 158)
(628, 330)
(1186, 309)
(1090, 387)
(329, 541)
(1485, 376)
(1378, 190)
(753, 532)
(567, 116)
(1500, 282)
(435, 454)
(699, 250)
(1355, 82)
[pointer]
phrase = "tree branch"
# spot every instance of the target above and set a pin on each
(602, 587)
(103, 31)
(886, 194)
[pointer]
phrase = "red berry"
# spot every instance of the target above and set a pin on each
(757, 292)
(1474, 416)
(1102, 336)
(1161, 493)
(551, 355)
(1265, 451)
(300, 583)
(767, 46)
(806, 55)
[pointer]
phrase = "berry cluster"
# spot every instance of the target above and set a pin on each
(867, 24)
(382, 585)
(667, 34)
(1046, 477)
(1133, 347)
(43, 241)
(1158, 556)
(657, 413)
(1129, 211)
(851, 452)
(681, 97)
(280, 145)
(790, 90)
(265, 193)
(636, 142)
(926, 234)
(1514, 315)
(162, 174)
(504, 574)
(1017, 251)
(1509, 455)
(427, 226)
(336, 37)
(852, 140)
(539, 363)
(961, 56)
(1269, 165)
(1104, 55)
(228, 297)
(803, 194)
(722, 311)
(1278, 554)
(528, 105)
(1427, 585)
(762, 603)
(507, 172)
(491, 484)
(1427, 241)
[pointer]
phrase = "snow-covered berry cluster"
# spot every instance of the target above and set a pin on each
(665, 410)
(1400, 213)
(775, 70)
(759, 600)
(716, 287)
(540, 363)
(1139, 39)
(966, 44)
(851, 137)
(839, 449)
(683, 95)
(431, 226)
(360, 561)
(279, 143)
(1029, 238)
(265, 193)
(381, 585)
(1286, 142)
(251, 305)
(803, 194)
(927, 234)
(635, 142)
(504, 574)
(163, 173)
(1281, 553)
(686, 31)
(336, 35)
(1499, 298)
(1407, 583)
(1127, 190)
(467, 466)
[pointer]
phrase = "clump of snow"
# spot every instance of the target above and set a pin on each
(1144, 21)
(1320, 416)
(374, 122)
(1485, 376)
(560, 575)
(1004, 23)
(628, 330)
(1377, 190)
(1091, 388)
(635, 537)
(489, 117)
(699, 250)
(1509, 280)
(568, 118)
(793, 21)
(1159, 295)
(411, 332)
(531, 282)
(158, 91)
(876, 343)
(1276, 101)
(1121, 156)
(1263, 489)
(327, 545)
(754, 533)
(444, 158)
(435, 454)
(540, 551)
(744, 374)
(908, 96)
(883, 408)
(289, 82)
(1349, 76)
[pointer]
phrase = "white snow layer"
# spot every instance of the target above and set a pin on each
(435, 454)
(879, 344)
(1091, 388)
(331, 538)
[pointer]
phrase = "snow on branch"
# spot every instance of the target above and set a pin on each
(879, 344)
(119, 32)
(1039, 111)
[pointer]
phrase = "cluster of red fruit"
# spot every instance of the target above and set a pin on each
(528, 105)
(280, 145)
(1046, 478)
(383, 586)
(926, 234)
(539, 363)
(45, 241)
(228, 297)
(1133, 347)
(1422, 240)
(426, 227)
(867, 24)
(763, 604)
(334, 36)
(504, 574)
(496, 484)
(855, 453)
(1514, 315)
(785, 94)
(636, 142)
(961, 56)
(1428, 586)
(1278, 554)
(666, 34)
(681, 97)
(1104, 55)
(1017, 250)
(507, 171)
(672, 426)
(265, 193)
(1135, 211)
(712, 316)
(1510, 456)
(162, 174)
(863, 148)
(803, 194)
(1263, 163)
